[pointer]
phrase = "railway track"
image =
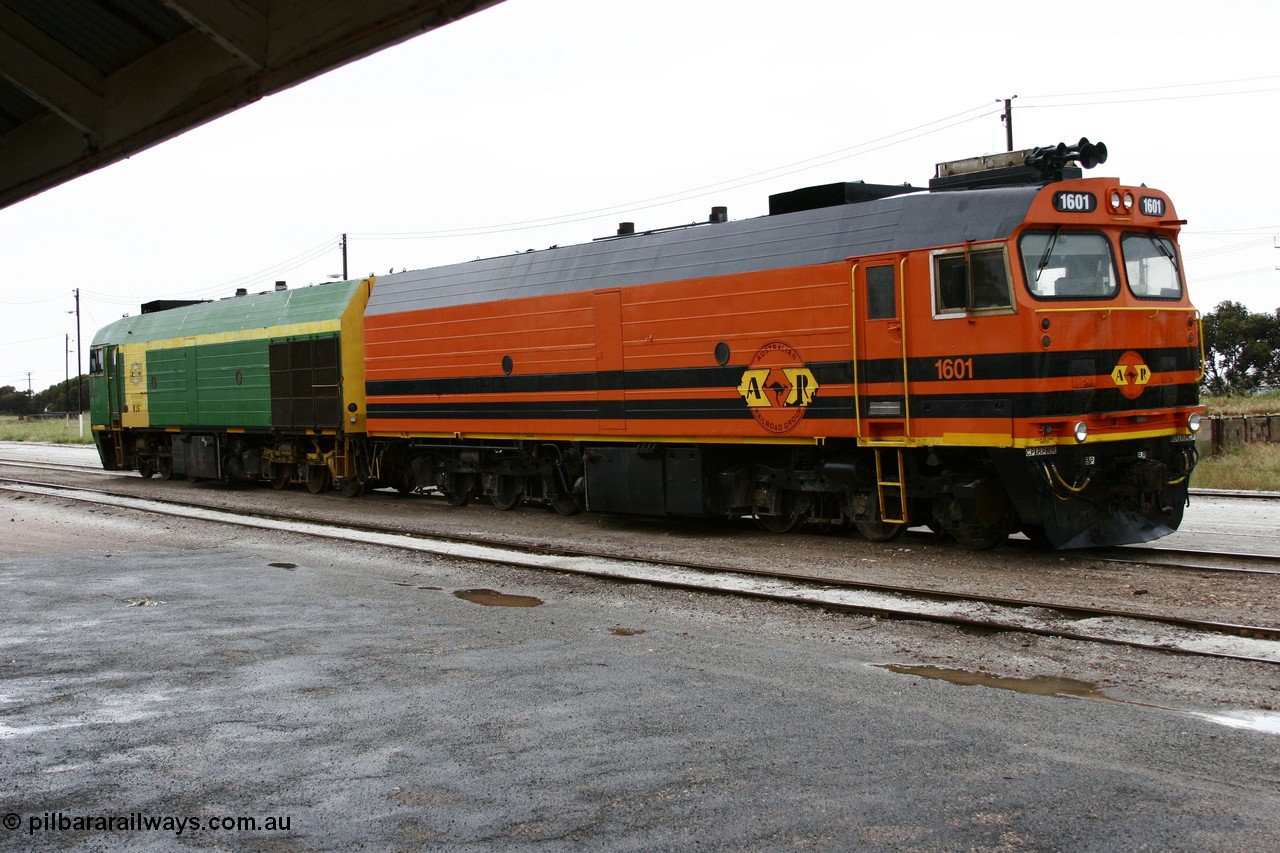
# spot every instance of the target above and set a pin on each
(1192, 560)
(1148, 555)
(1104, 625)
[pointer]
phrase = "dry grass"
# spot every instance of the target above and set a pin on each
(53, 430)
(1250, 467)
(1254, 404)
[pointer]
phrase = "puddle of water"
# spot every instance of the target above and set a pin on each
(493, 598)
(1261, 721)
(429, 587)
(626, 632)
(290, 566)
(1038, 686)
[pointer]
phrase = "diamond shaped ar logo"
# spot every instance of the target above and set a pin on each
(1131, 375)
(777, 387)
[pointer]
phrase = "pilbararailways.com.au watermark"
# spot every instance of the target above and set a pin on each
(141, 822)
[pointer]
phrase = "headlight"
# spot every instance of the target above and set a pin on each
(1128, 201)
(1081, 431)
(1115, 199)
(1193, 422)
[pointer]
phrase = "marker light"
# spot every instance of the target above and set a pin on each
(1193, 422)
(1081, 431)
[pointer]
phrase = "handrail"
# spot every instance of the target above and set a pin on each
(902, 310)
(1200, 335)
(853, 325)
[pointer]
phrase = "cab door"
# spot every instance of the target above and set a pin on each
(113, 374)
(880, 387)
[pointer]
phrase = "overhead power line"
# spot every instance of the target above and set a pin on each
(859, 149)
(814, 162)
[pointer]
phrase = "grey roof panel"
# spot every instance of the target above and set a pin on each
(825, 235)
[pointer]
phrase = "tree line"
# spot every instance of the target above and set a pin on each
(54, 399)
(1242, 350)
(1242, 356)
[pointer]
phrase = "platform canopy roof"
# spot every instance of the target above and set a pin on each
(84, 83)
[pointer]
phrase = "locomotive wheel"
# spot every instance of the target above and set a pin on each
(790, 515)
(881, 531)
(318, 479)
(164, 466)
(508, 492)
(281, 476)
(566, 506)
(352, 488)
(987, 535)
(459, 489)
(147, 468)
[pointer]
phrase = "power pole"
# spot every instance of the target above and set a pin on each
(79, 372)
(66, 383)
(1008, 123)
(344, 257)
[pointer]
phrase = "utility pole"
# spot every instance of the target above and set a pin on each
(1008, 123)
(79, 371)
(344, 257)
(66, 384)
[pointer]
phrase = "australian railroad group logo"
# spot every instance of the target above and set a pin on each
(777, 387)
(1131, 375)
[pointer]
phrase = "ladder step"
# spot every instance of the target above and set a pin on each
(883, 483)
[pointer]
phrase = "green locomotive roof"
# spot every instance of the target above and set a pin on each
(317, 303)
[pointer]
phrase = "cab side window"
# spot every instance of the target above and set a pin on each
(882, 303)
(971, 281)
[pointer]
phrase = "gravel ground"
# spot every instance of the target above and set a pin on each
(918, 560)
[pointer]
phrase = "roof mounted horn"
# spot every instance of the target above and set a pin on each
(1029, 166)
(1052, 160)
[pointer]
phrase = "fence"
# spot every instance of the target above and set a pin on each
(1227, 433)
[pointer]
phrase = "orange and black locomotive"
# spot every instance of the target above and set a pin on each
(1012, 349)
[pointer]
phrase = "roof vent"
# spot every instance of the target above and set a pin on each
(242, 291)
(280, 285)
(831, 195)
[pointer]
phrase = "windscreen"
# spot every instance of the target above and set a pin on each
(1068, 265)
(1151, 266)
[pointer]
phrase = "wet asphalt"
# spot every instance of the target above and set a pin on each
(358, 699)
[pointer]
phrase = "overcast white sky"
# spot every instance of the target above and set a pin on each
(542, 122)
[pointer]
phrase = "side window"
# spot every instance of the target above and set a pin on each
(95, 361)
(881, 299)
(951, 284)
(972, 281)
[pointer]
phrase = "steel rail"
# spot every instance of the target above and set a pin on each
(819, 591)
